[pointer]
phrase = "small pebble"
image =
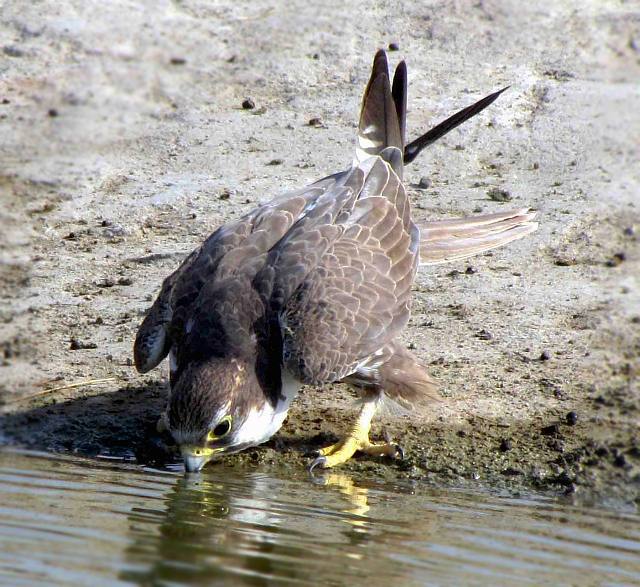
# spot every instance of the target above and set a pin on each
(505, 445)
(316, 122)
(394, 47)
(12, 51)
(125, 281)
(106, 282)
(248, 104)
(470, 270)
(616, 260)
(620, 461)
(52, 112)
(628, 231)
(602, 451)
(484, 335)
(566, 262)
(76, 345)
(275, 162)
(178, 61)
(224, 195)
(499, 195)
(572, 418)
(545, 356)
(424, 183)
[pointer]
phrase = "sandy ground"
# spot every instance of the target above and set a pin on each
(123, 143)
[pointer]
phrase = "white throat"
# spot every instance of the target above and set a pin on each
(262, 423)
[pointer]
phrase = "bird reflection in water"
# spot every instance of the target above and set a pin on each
(252, 528)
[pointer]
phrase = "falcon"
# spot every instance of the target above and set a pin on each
(313, 287)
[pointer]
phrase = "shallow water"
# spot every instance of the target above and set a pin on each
(73, 521)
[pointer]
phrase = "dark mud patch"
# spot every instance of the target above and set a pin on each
(577, 453)
(596, 241)
(114, 423)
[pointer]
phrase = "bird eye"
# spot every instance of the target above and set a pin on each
(222, 428)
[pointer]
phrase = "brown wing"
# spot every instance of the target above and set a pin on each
(357, 299)
(241, 246)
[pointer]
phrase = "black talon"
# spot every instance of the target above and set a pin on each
(399, 452)
(317, 461)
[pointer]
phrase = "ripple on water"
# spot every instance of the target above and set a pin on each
(72, 521)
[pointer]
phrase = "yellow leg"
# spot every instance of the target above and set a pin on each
(356, 440)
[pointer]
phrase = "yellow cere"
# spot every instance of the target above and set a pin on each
(200, 451)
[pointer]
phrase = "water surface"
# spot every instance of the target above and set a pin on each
(74, 521)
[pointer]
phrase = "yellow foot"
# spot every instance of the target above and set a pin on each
(357, 440)
(342, 451)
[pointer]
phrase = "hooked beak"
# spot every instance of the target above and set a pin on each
(196, 457)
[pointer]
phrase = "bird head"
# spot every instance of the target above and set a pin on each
(216, 407)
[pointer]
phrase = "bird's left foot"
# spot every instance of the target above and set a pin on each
(357, 440)
(342, 451)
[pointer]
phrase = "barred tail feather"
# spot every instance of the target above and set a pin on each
(382, 117)
(448, 240)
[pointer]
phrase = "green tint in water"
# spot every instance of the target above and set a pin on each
(70, 521)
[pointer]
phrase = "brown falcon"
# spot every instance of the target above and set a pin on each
(313, 287)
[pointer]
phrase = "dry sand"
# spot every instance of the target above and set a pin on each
(123, 143)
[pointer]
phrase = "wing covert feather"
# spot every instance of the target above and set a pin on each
(357, 299)
(241, 246)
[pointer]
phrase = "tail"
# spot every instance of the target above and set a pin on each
(384, 115)
(448, 240)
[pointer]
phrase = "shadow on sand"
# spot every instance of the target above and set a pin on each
(116, 423)
(122, 424)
